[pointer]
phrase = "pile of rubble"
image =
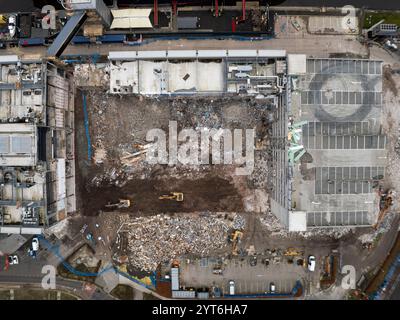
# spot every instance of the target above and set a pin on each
(383, 227)
(153, 240)
(239, 222)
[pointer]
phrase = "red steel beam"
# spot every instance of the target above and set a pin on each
(174, 5)
(155, 12)
(216, 8)
(233, 24)
(243, 10)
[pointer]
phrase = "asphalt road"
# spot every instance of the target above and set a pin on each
(29, 272)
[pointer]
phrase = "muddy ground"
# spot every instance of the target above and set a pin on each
(118, 125)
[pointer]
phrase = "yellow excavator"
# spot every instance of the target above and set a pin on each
(178, 196)
(292, 252)
(236, 236)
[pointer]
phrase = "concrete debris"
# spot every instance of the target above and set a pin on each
(153, 240)
(383, 227)
(239, 222)
(91, 75)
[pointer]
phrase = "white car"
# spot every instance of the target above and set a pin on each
(391, 45)
(35, 244)
(311, 263)
(231, 287)
(272, 287)
(12, 25)
(13, 259)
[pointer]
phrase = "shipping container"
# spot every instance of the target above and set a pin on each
(32, 42)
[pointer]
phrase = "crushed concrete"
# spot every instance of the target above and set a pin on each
(154, 240)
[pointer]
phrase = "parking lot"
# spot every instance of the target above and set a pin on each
(248, 279)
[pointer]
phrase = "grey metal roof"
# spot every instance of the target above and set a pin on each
(21, 144)
(4, 144)
(187, 22)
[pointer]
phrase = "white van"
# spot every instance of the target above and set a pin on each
(35, 244)
(232, 287)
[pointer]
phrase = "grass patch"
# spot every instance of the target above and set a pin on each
(36, 294)
(5, 295)
(374, 17)
(67, 296)
(123, 292)
(149, 296)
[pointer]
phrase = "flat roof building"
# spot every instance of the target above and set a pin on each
(37, 169)
(329, 148)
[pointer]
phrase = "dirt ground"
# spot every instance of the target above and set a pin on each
(118, 125)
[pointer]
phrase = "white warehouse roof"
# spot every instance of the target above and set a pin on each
(131, 18)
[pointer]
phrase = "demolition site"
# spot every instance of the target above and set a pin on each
(205, 169)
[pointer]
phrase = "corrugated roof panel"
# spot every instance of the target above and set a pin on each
(211, 53)
(271, 53)
(31, 230)
(122, 55)
(183, 294)
(242, 53)
(152, 54)
(8, 58)
(181, 53)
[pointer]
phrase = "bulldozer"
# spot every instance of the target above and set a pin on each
(235, 238)
(178, 196)
(123, 203)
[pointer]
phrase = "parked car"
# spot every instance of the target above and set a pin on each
(253, 261)
(231, 287)
(391, 45)
(311, 263)
(3, 45)
(13, 259)
(272, 287)
(12, 25)
(35, 244)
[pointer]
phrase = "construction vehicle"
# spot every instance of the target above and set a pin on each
(329, 271)
(292, 252)
(235, 238)
(123, 203)
(218, 270)
(384, 205)
(178, 196)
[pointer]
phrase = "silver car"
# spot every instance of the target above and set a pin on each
(12, 25)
